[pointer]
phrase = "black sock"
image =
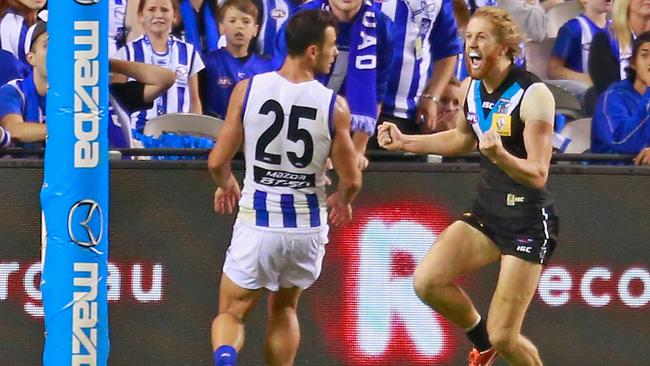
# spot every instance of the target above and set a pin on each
(479, 336)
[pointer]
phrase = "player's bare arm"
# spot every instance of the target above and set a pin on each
(457, 141)
(343, 158)
(538, 140)
(23, 131)
(230, 139)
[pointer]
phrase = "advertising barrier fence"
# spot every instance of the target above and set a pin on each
(167, 248)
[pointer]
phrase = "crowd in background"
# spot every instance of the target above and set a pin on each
(399, 61)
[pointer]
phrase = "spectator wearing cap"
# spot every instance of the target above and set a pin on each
(620, 123)
(22, 101)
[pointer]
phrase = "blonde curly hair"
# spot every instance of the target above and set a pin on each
(505, 29)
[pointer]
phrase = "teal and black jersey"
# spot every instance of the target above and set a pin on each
(520, 220)
(506, 204)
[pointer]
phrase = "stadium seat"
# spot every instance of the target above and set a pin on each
(578, 136)
(566, 103)
(537, 56)
(184, 123)
(560, 14)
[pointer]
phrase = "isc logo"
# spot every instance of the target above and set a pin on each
(524, 248)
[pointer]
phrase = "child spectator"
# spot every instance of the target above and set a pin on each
(22, 101)
(158, 47)
(225, 67)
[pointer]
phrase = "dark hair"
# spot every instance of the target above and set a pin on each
(142, 3)
(307, 28)
(248, 7)
(39, 28)
(636, 45)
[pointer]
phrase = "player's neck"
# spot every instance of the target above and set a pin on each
(600, 19)
(296, 70)
(158, 41)
(497, 76)
(237, 51)
(345, 16)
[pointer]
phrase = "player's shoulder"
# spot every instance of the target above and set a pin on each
(525, 78)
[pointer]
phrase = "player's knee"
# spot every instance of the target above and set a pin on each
(231, 314)
(425, 283)
(503, 340)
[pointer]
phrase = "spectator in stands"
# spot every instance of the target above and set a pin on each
(225, 67)
(610, 51)
(620, 123)
(448, 106)
(547, 4)
(148, 82)
(529, 16)
(274, 13)
(22, 101)
(198, 24)
(568, 62)
(16, 16)
(11, 68)
(367, 33)
(117, 29)
(158, 47)
(413, 94)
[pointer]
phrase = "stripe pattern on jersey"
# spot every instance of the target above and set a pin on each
(272, 196)
(182, 58)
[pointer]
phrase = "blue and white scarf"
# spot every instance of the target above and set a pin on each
(362, 66)
(192, 34)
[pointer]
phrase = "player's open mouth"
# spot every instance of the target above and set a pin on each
(475, 59)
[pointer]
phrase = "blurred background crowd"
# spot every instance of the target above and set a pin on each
(174, 64)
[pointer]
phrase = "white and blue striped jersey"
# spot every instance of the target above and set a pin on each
(182, 58)
(116, 26)
(288, 136)
(13, 35)
(276, 12)
(425, 31)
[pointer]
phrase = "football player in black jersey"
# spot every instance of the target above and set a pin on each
(508, 114)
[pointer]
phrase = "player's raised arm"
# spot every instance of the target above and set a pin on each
(345, 163)
(457, 141)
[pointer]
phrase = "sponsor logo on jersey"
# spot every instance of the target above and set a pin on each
(512, 199)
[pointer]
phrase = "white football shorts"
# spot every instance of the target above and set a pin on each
(275, 257)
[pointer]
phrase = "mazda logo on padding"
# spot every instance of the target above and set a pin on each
(87, 2)
(86, 223)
